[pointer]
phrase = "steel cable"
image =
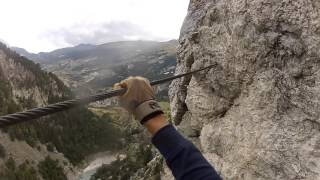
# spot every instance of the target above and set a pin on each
(35, 113)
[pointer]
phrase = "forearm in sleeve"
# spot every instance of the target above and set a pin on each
(183, 158)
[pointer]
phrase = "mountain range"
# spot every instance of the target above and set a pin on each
(86, 67)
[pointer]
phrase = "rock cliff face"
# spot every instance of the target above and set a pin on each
(255, 115)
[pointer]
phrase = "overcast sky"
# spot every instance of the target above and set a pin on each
(45, 25)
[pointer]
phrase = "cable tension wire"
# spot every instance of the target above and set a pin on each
(35, 113)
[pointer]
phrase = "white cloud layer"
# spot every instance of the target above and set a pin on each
(44, 25)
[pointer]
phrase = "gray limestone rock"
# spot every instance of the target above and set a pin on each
(257, 111)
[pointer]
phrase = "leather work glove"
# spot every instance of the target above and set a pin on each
(139, 98)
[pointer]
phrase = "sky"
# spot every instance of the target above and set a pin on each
(45, 25)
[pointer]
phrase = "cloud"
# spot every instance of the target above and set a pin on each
(60, 23)
(99, 33)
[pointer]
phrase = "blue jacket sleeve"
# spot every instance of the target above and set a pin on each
(182, 157)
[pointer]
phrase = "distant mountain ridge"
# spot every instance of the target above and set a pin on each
(103, 52)
(25, 53)
(87, 66)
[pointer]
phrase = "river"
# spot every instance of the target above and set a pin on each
(95, 162)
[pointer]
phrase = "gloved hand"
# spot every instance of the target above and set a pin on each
(139, 98)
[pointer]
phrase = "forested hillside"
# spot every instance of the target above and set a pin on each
(75, 133)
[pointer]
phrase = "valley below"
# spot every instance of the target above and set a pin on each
(95, 162)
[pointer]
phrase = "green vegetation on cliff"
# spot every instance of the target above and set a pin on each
(24, 171)
(51, 170)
